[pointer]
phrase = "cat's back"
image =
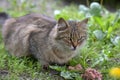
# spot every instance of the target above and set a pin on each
(24, 21)
(30, 19)
(17, 31)
(35, 17)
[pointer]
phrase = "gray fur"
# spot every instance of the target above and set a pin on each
(44, 38)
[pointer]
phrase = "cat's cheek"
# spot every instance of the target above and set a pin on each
(82, 43)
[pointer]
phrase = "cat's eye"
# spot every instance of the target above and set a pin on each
(81, 38)
(68, 38)
(65, 37)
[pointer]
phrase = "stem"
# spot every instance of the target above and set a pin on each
(88, 3)
(101, 2)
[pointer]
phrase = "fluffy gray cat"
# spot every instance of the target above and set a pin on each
(46, 39)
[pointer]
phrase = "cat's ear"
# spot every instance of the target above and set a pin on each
(83, 23)
(62, 24)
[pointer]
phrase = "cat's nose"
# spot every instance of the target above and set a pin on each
(73, 47)
(75, 44)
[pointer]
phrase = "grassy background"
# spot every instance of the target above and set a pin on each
(102, 50)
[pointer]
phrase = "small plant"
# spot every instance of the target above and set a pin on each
(95, 9)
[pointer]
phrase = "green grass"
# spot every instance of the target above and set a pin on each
(101, 51)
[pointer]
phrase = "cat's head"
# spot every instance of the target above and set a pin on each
(71, 34)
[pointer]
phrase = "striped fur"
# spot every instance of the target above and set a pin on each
(44, 38)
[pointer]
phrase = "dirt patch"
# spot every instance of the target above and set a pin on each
(4, 73)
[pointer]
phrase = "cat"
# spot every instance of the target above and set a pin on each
(48, 40)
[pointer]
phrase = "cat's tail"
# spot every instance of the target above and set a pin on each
(3, 17)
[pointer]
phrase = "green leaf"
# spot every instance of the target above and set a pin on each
(99, 34)
(66, 75)
(99, 21)
(95, 9)
(110, 29)
(83, 9)
(70, 75)
(116, 40)
(58, 68)
(117, 17)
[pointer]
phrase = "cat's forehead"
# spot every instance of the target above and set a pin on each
(72, 23)
(77, 25)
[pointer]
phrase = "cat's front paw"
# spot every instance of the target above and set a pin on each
(45, 67)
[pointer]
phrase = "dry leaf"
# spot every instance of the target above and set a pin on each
(78, 67)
